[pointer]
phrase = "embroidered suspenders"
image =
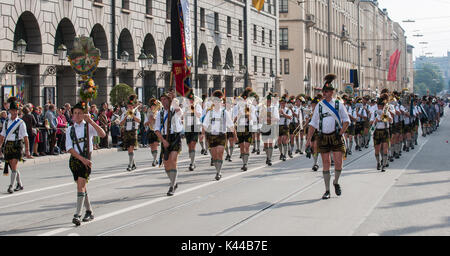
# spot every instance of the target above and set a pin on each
(321, 116)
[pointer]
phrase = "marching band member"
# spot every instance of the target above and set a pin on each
(77, 143)
(168, 128)
(150, 118)
(269, 117)
(216, 122)
(130, 120)
(284, 122)
(380, 119)
(244, 134)
(192, 125)
(14, 132)
(331, 120)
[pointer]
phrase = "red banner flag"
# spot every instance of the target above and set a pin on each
(393, 64)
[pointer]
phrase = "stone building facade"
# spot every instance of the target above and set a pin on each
(316, 40)
(224, 36)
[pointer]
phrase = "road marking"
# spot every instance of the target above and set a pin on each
(134, 207)
(373, 234)
(73, 234)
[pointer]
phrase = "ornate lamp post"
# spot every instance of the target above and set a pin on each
(21, 47)
(62, 53)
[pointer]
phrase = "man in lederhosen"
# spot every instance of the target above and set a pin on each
(268, 118)
(131, 119)
(351, 128)
(79, 162)
(192, 126)
(284, 122)
(314, 148)
(331, 120)
(216, 122)
(229, 145)
(170, 139)
(380, 120)
(244, 133)
(295, 125)
(14, 134)
(150, 119)
(359, 126)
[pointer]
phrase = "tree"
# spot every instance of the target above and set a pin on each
(120, 93)
(430, 76)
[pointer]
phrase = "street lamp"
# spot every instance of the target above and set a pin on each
(143, 62)
(306, 82)
(205, 66)
(225, 69)
(219, 66)
(242, 69)
(21, 47)
(150, 60)
(169, 61)
(272, 80)
(125, 56)
(62, 53)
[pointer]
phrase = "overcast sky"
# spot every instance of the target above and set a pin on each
(432, 19)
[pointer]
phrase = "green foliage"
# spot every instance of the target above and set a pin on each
(428, 76)
(420, 89)
(120, 93)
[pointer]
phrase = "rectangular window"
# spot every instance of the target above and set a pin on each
(240, 28)
(264, 65)
(284, 6)
(269, 6)
(216, 22)
(240, 60)
(286, 66)
(168, 9)
(254, 33)
(98, 1)
(281, 67)
(283, 38)
(229, 25)
(148, 7)
(270, 36)
(255, 64)
(271, 66)
(202, 17)
(262, 35)
(126, 4)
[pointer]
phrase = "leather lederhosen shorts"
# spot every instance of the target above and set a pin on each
(359, 128)
(407, 128)
(217, 140)
(330, 143)
(244, 136)
(366, 124)
(78, 169)
(174, 144)
(381, 136)
(230, 135)
(152, 138)
(283, 130)
(129, 138)
(191, 137)
(13, 150)
(351, 130)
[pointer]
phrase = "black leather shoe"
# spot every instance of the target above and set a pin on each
(269, 163)
(315, 168)
(170, 192)
(326, 195)
(18, 187)
(218, 177)
(88, 216)
(191, 167)
(337, 189)
(10, 189)
(76, 220)
(378, 166)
